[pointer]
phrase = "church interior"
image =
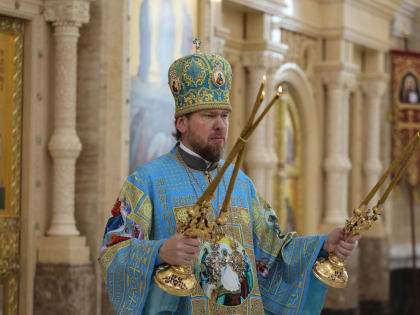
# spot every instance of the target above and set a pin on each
(84, 101)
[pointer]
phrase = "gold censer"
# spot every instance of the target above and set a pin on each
(331, 270)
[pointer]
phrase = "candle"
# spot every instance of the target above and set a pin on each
(394, 165)
(260, 91)
(266, 109)
(407, 152)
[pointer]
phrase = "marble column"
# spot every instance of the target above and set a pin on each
(272, 165)
(337, 163)
(238, 97)
(65, 145)
(256, 158)
(372, 166)
(374, 247)
(356, 154)
(63, 252)
(261, 162)
(337, 166)
(207, 15)
(63, 243)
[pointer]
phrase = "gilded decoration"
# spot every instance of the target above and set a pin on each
(199, 306)
(141, 215)
(135, 257)
(11, 53)
(194, 72)
(9, 246)
(288, 183)
(224, 269)
(109, 255)
(232, 310)
(11, 294)
(181, 215)
(133, 194)
(239, 217)
(238, 221)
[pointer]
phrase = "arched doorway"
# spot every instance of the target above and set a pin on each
(303, 112)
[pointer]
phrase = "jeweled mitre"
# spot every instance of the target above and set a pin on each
(200, 81)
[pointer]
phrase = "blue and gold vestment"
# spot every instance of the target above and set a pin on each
(275, 277)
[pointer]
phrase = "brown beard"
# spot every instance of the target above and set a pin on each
(211, 153)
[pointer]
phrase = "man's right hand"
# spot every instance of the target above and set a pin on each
(179, 250)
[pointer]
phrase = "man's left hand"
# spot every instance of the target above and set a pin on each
(340, 244)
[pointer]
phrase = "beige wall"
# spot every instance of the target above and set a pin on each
(102, 121)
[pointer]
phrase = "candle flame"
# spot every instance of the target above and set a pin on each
(280, 90)
(264, 78)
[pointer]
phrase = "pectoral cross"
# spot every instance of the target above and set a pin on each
(197, 43)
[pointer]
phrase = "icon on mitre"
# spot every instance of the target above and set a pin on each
(218, 76)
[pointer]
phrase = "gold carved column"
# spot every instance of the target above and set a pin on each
(11, 52)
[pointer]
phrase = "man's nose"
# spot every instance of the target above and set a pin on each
(220, 123)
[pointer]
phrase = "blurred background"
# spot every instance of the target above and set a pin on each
(84, 101)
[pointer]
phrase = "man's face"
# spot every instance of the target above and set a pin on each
(205, 132)
(411, 84)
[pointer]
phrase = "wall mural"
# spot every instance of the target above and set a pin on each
(161, 31)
